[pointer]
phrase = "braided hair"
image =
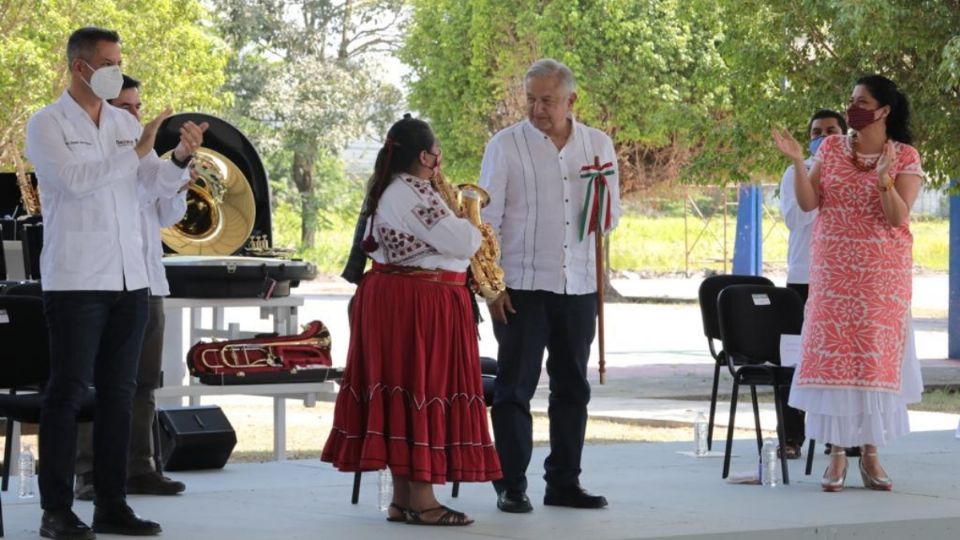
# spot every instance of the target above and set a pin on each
(406, 139)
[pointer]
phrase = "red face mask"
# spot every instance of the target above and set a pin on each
(858, 118)
(436, 165)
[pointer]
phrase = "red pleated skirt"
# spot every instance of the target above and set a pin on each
(411, 397)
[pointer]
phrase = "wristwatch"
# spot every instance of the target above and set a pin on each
(178, 163)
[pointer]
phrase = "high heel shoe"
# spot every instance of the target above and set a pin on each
(833, 485)
(878, 483)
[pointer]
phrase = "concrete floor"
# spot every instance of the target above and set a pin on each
(654, 490)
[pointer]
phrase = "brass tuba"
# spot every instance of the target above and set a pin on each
(220, 209)
(466, 200)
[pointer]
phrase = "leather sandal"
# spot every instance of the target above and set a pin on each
(397, 519)
(449, 517)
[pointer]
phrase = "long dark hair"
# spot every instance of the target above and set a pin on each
(401, 150)
(886, 92)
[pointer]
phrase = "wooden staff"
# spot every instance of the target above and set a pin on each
(600, 287)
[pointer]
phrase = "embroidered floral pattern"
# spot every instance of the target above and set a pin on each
(401, 247)
(432, 210)
(860, 278)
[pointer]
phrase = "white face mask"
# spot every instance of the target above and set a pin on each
(106, 82)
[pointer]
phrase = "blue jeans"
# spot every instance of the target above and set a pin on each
(95, 339)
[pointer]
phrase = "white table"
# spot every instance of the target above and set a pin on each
(185, 326)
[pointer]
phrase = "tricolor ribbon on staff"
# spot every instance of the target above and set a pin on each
(596, 219)
(596, 205)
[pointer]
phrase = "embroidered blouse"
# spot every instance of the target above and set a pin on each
(414, 227)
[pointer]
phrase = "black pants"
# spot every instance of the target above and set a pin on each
(564, 326)
(95, 337)
(793, 419)
(140, 459)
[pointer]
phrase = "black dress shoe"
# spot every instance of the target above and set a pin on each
(153, 483)
(514, 502)
(64, 525)
(121, 519)
(574, 497)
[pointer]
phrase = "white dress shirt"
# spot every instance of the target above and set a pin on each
(536, 198)
(800, 224)
(88, 181)
(155, 214)
(414, 227)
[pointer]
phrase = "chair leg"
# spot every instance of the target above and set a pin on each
(781, 435)
(7, 450)
(456, 490)
(355, 498)
(733, 417)
(756, 417)
(813, 444)
(713, 405)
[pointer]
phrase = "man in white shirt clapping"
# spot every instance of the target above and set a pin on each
(533, 172)
(91, 160)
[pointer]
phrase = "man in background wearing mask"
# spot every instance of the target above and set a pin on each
(823, 124)
(90, 160)
(155, 213)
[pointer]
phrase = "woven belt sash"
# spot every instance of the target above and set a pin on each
(443, 277)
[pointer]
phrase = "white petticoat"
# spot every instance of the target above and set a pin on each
(850, 417)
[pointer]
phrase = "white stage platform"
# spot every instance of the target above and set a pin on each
(654, 492)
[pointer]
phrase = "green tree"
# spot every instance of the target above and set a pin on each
(305, 83)
(649, 73)
(787, 58)
(164, 42)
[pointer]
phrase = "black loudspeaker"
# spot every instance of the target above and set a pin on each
(194, 438)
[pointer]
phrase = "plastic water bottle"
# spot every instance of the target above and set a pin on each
(385, 483)
(769, 465)
(700, 435)
(27, 472)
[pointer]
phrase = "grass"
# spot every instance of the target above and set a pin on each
(641, 243)
(945, 400)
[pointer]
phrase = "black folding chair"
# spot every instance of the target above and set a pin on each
(752, 319)
(25, 368)
(488, 370)
(709, 291)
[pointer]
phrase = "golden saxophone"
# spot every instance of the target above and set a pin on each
(466, 200)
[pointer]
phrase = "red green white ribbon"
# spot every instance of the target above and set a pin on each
(596, 205)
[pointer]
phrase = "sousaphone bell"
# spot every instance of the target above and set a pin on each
(217, 249)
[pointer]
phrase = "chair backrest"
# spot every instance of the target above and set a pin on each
(752, 319)
(23, 288)
(25, 354)
(710, 291)
(3, 260)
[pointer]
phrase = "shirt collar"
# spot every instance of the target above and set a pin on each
(72, 108)
(573, 127)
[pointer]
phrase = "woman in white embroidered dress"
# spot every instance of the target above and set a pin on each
(411, 398)
(859, 369)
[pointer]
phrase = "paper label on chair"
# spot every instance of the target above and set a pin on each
(790, 350)
(761, 299)
(4, 318)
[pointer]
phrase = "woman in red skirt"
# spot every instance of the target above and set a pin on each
(411, 398)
